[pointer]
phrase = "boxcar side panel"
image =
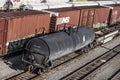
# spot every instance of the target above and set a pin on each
(101, 17)
(67, 18)
(3, 31)
(115, 17)
(22, 27)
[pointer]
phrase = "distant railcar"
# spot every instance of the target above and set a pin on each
(86, 15)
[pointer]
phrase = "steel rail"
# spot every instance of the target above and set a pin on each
(91, 66)
(32, 75)
(115, 75)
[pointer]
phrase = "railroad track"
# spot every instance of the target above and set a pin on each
(84, 72)
(59, 62)
(115, 76)
(56, 63)
(67, 76)
(22, 76)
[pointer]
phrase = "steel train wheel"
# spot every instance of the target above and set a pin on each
(30, 68)
(39, 71)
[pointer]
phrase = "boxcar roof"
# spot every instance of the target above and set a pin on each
(14, 14)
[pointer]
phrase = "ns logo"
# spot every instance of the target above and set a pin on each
(63, 20)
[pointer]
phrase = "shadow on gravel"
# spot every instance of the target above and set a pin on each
(15, 62)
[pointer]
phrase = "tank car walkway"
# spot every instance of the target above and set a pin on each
(106, 71)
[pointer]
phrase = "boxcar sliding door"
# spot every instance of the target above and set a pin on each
(87, 17)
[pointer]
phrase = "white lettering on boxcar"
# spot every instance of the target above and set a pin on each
(63, 20)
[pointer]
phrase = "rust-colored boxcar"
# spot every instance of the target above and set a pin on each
(20, 25)
(91, 16)
(67, 17)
